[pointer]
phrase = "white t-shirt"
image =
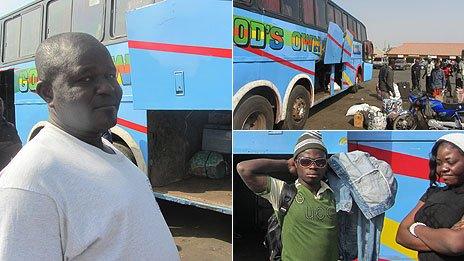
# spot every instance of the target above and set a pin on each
(63, 199)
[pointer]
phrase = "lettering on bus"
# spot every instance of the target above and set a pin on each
(28, 77)
(259, 35)
(123, 68)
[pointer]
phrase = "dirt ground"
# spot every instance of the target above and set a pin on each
(199, 234)
(330, 114)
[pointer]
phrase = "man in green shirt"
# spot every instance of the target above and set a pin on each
(309, 229)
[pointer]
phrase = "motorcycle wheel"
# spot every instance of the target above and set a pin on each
(405, 121)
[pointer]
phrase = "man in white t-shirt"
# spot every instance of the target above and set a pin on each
(69, 194)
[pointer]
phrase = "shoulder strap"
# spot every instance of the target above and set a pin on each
(286, 198)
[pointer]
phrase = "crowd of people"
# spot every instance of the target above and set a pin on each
(438, 76)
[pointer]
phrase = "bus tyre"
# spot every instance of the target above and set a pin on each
(126, 151)
(255, 113)
(405, 121)
(297, 108)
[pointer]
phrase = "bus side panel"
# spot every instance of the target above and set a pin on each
(283, 142)
(183, 55)
(277, 61)
(368, 71)
(407, 153)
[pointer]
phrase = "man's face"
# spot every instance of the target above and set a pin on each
(86, 93)
(311, 166)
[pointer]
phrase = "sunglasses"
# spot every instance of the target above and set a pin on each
(307, 162)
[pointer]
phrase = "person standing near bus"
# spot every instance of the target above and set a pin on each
(315, 236)
(416, 74)
(69, 194)
(448, 71)
(438, 81)
(460, 79)
(10, 143)
(428, 76)
(386, 80)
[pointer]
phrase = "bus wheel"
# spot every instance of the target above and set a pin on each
(297, 108)
(126, 151)
(255, 113)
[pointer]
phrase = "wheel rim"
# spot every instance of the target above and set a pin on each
(298, 109)
(405, 122)
(255, 121)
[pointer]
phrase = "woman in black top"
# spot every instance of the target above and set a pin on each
(434, 227)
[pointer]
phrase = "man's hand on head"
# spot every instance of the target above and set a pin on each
(291, 166)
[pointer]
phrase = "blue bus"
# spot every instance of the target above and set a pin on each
(407, 153)
(290, 55)
(168, 61)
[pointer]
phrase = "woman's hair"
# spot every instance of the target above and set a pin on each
(433, 160)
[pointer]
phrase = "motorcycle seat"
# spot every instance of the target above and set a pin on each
(453, 106)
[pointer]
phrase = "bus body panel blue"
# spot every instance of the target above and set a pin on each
(368, 71)
(180, 78)
(282, 142)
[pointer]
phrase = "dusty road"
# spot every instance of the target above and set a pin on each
(330, 114)
(199, 234)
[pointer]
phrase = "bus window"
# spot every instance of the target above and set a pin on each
(338, 17)
(120, 7)
(363, 33)
(345, 22)
(87, 17)
(321, 13)
(31, 29)
(290, 8)
(308, 12)
(58, 17)
(358, 29)
(330, 13)
(352, 26)
(11, 39)
(272, 6)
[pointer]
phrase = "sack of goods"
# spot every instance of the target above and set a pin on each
(392, 105)
(376, 120)
(208, 164)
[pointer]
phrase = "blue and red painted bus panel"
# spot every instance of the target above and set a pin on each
(182, 58)
(407, 152)
(273, 52)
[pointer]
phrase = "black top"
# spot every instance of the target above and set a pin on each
(10, 143)
(444, 207)
(386, 76)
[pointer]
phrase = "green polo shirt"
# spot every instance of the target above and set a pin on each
(309, 230)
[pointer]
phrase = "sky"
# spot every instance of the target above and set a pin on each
(392, 22)
(388, 22)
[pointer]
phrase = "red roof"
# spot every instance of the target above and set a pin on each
(424, 49)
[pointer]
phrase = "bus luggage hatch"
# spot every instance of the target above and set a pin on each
(333, 51)
(181, 55)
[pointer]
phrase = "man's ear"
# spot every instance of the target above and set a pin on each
(45, 91)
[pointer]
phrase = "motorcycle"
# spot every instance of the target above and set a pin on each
(430, 113)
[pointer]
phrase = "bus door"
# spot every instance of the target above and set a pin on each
(7, 94)
(368, 58)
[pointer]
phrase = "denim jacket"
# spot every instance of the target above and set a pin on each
(371, 185)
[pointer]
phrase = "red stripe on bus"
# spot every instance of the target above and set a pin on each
(346, 51)
(279, 60)
(403, 164)
(350, 66)
(132, 125)
(176, 48)
(335, 41)
(346, 83)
